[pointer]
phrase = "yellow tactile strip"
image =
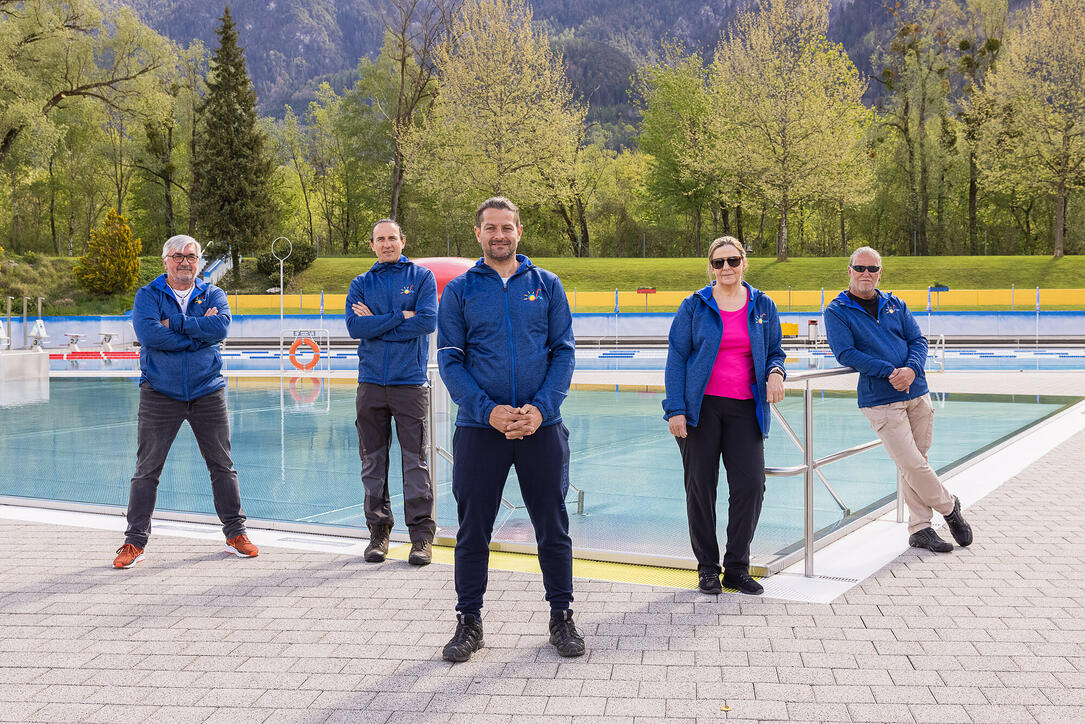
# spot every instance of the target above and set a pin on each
(595, 570)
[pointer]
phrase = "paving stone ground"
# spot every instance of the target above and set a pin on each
(992, 633)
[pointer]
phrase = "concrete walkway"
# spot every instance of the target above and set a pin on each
(992, 633)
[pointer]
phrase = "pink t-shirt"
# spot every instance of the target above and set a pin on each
(732, 373)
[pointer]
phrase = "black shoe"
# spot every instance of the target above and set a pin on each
(467, 639)
(377, 550)
(743, 581)
(709, 582)
(563, 634)
(961, 531)
(421, 553)
(928, 539)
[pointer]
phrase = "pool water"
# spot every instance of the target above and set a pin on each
(296, 452)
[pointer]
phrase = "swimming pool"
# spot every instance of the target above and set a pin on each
(296, 452)
(344, 359)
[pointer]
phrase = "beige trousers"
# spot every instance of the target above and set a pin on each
(907, 430)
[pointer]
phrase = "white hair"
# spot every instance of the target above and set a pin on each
(861, 250)
(178, 243)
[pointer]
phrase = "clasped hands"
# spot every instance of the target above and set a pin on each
(209, 313)
(516, 423)
(363, 311)
(901, 378)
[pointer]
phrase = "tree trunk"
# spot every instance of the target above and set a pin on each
(71, 226)
(973, 189)
(1060, 218)
(781, 234)
(167, 183)
(697, 228)
(725, 217)
(397, 183)
(570, 230)
(53, 206)
(761, 226)
(585, 246)
(843, 232)
(738, 224)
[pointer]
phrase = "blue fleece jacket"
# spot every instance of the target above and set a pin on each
(393, 350)
(877, 346)
(181, 361)
(694, 342)
(505, 345)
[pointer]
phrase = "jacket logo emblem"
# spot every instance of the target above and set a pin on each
(760, 319)
(407, 290)
(890, 309)
(198, 300)
(533, 296)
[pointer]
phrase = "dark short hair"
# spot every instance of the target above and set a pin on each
(496, 202)
(373, 231)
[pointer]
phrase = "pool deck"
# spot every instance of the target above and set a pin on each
(991, 633)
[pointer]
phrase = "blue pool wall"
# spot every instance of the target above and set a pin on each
(585, 325)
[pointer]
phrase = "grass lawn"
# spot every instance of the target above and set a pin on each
(957, 272)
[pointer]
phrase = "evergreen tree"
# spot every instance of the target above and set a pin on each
(233, 170)
(112, 261)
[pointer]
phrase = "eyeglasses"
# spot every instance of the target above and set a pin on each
(872, 268)
(732, 261)
(184, 257)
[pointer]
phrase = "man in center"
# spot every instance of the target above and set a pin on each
(505, 349)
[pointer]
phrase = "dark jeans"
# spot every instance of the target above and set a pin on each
(377, 405)
(160, 418)
(729, 428)
(482, 459)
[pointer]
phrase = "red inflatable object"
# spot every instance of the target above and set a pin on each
(445, 268)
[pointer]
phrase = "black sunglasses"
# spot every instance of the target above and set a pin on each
(872, 268)
(734, 261)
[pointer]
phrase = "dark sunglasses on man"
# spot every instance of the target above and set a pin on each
(872, 268)
(732, 261)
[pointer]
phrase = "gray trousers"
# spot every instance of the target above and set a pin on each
(409, 405)
(160, 418)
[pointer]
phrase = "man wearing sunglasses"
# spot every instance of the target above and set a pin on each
(180, 321)
(873, 332)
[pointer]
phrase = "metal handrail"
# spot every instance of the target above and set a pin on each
(939, 351)
(811, 466)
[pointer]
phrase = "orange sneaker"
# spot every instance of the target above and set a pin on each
(241, 546)
(128, 555)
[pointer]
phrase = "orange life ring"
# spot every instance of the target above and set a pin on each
(312, 345)
(309, 398)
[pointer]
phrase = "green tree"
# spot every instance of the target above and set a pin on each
(677, 111)
(788, 107)
(1038, 89)
(234, 173)
(504, 121)
(59, 53)
(111, 263)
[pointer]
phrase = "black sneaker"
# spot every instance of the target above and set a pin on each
(742, 581)
(421, 553)
(709, 582)
(563, 634)
(958, 528)
(377, 550)
(928, 539)
(467, 639)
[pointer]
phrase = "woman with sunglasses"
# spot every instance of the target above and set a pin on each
(725, 365)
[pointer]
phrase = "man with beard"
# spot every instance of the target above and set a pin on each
(505, 348)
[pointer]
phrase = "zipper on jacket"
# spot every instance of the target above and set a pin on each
(512, 344)
(387, 350)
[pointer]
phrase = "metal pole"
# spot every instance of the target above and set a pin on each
(808, 479)
(25, 300)
(431, 422)
(40, 300)
(10, 300)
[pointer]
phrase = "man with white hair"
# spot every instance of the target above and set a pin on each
(180, 321)
(874, 332)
